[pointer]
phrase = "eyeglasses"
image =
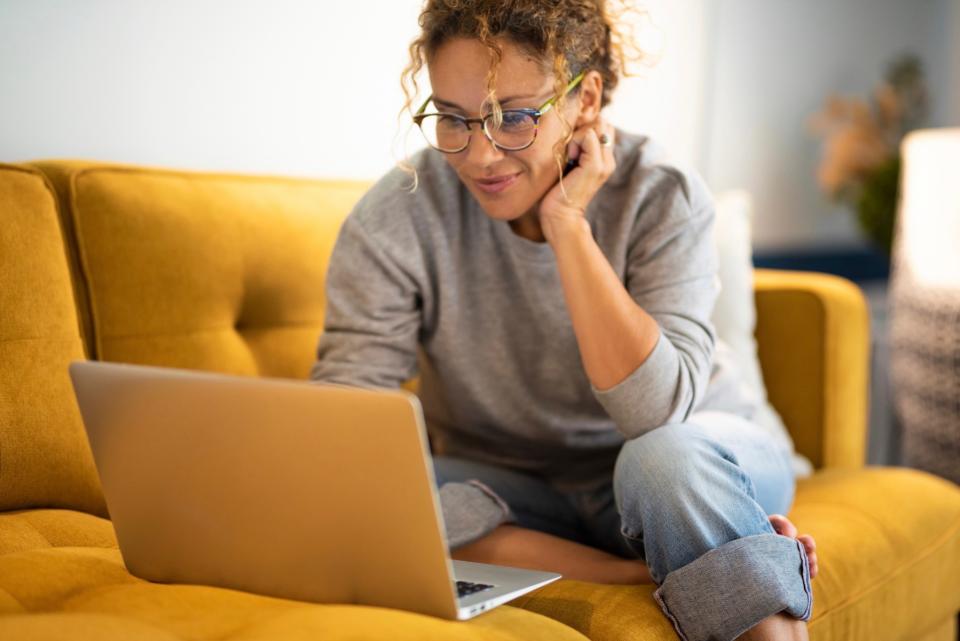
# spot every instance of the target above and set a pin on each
(450, 133)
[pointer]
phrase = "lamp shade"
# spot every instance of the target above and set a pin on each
(925, 302)
(929, 227)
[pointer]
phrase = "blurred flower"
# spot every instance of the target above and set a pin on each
(854, 144)
(862, 142)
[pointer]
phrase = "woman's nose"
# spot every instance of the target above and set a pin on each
(480, 150)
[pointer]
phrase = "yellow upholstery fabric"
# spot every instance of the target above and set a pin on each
(26, 530)
(888, 540)
(813, 343)
(203, 271)
(45, 459)
(61, 571)
(888, 563)
(947, 630)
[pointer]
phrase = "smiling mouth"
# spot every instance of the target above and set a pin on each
(496, 185)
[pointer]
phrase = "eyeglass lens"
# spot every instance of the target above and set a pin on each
(449, 133)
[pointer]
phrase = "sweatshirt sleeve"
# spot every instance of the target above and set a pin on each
(671, 273)
(372, 317)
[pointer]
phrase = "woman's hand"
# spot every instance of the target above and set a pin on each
(596, 164)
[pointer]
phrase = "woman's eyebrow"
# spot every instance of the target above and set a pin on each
(446, 103)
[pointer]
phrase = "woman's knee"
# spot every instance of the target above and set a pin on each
(671, 469)
(668, 455)
(680, 494)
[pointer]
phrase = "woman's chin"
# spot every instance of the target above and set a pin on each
(501, 210)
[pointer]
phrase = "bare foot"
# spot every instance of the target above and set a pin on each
(783, 525)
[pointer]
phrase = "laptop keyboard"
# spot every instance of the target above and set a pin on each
(465, 588)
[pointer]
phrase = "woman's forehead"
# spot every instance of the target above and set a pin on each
(459, 67)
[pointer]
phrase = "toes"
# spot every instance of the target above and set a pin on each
(783, 525)
(810, 547)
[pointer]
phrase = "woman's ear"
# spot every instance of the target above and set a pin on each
(591, 94)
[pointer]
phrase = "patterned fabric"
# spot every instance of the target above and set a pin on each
(925, 372)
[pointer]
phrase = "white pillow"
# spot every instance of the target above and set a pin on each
(735, 316)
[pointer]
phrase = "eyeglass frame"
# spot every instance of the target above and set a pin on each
(536, 114)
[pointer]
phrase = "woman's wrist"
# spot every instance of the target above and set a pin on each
(557, 228)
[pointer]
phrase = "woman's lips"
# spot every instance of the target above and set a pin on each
(496, 185)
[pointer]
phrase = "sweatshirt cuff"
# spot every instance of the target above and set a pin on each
(647, 397)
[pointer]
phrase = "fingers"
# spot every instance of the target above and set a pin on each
(573, 147)
(592, 155)
(611, 133)
(599, 156)
(585, 147)
(595, 162)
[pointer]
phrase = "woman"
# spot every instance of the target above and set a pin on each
(580, 413)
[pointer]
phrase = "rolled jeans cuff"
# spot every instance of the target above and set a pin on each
(470, 511)
(730, 589)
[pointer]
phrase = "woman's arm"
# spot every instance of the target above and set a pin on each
(615, 335)
(647, 341)
(373, 314)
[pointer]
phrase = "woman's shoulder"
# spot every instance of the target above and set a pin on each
(658, 186)
(401, 221)
(403, 195)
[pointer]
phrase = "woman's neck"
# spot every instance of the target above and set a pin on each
(528, 226)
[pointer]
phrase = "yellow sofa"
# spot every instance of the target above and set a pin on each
(225, 272)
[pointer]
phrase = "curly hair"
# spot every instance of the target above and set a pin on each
(565, 36)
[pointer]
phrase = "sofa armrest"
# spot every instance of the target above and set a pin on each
(813, 335)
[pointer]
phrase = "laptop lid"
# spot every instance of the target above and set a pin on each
(301, 490)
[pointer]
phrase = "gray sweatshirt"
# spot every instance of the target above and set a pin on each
(427, 283)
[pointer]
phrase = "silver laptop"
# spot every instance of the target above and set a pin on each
(301, 490)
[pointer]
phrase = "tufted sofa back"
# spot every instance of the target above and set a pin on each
(197, 270)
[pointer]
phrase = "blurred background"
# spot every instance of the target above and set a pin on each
(311, 89)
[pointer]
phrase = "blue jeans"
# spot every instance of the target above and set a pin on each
(691, 499)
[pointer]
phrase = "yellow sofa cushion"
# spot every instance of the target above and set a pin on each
(62, 576)
(889, 569)
(888, 546)
(219, 272)
(45, 459)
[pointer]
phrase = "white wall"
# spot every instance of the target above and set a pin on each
(666, 101)
(282, 86)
